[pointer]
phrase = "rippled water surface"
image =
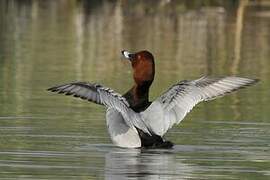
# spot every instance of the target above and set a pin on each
(48, 136)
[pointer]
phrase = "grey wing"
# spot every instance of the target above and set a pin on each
(173, 105)
(83, 90)
(105, 96)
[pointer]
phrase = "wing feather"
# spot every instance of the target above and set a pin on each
(176, 102)
(105, 96)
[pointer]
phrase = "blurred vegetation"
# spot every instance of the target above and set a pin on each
(41, 40)
(43, 43)
(82, 40)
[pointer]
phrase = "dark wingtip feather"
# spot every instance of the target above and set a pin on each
(252, 82)
(256, 80)
(68, 93)
(57, 89)
(52, 89)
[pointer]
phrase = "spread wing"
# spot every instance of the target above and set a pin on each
(105, 96)
(173, 105)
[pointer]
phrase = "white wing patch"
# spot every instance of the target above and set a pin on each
(173, 105)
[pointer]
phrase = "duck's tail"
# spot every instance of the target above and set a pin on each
(153, 141)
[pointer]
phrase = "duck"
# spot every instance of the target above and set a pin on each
(132, 120)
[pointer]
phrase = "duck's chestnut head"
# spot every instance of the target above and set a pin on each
(143, 66)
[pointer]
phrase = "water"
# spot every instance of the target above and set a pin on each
(48, 136)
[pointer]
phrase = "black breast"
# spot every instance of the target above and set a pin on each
(139, 105)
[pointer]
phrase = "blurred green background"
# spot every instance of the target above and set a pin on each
(44, 43)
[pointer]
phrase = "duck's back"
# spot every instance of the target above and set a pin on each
(139, 105)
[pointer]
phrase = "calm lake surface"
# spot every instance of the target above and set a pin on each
(49, 136)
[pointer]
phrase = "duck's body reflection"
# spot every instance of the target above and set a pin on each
(144, 164)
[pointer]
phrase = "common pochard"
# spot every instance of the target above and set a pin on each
(132, 120)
